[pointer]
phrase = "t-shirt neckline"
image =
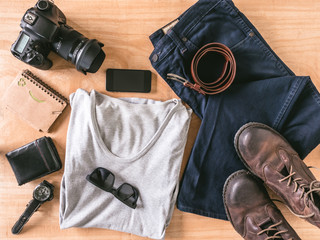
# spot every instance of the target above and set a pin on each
(149, 144)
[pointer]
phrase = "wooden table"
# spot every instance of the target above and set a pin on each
(291, 27)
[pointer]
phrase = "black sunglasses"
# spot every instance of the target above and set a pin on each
(104, 179)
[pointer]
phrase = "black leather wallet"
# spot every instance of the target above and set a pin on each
(34, 160)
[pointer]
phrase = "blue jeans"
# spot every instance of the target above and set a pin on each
(265, 90)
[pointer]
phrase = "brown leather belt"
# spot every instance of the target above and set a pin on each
(227, 76)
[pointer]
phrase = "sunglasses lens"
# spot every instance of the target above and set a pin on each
(102, 178)
(127, 194)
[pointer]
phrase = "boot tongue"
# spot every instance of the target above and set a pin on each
(284, 171)
(316, 198)
(290, 160)
(316, 195)
(270, 233)
(284, 167)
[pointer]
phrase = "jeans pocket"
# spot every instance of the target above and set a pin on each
(220, 24)
(254, 61)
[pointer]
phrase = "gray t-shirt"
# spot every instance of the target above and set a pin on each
(141, 141)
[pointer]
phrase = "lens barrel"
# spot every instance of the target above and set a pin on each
(87, 55)
(90, 56)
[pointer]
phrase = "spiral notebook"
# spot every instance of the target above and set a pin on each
(34, 101)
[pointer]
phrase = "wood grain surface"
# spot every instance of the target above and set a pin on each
(291, 27)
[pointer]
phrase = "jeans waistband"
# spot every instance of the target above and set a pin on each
(187, 20)
(178, 34)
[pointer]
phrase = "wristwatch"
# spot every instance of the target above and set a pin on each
(42, 193)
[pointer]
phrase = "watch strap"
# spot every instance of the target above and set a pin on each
(24, 218)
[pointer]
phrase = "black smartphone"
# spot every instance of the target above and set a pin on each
(127, 80)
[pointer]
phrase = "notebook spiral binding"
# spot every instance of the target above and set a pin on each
(44, 87)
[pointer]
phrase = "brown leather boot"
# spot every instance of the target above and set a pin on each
(250, 210)
(270, 157)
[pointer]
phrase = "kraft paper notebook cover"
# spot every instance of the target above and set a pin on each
(34, 101)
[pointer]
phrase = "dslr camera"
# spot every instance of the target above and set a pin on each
(44, 29)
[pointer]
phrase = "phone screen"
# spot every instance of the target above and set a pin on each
(127, 80)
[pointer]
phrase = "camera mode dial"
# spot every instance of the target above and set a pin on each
(43, 5)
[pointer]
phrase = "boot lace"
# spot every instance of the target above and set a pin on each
(307, 190)
(273, 228)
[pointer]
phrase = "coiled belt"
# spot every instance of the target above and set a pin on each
(216, 86)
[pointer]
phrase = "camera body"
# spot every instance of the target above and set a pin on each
(44, 29)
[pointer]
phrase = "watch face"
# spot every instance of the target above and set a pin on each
(42, 193)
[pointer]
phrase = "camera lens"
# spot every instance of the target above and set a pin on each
(90, 56)
(87, 55)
